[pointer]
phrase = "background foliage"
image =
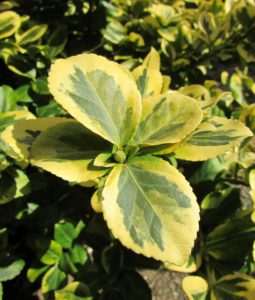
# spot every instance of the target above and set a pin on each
(50, 238)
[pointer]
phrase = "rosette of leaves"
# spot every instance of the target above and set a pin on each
(122, 131)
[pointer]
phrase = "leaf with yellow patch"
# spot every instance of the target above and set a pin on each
(99, 94)
(68, 150)
(151, 209)
(9, 23)
(212, 138)
(167, 118)
(195, 287)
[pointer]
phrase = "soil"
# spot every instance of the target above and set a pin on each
(165, 285)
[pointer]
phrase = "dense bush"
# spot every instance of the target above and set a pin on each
(54, 240)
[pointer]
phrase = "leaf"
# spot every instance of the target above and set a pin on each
(22, 134)
(234, 287)
(34, 272)
(1, 291)
(9, 117)
(213, 137)
(65, 233)
(164, 119)
(53, 279)
(7, 101)
(32, 34)
(152, 60)
(56, 42)
(195, 287)
(68, 150)
(99, 94)
(9, 23)
(231, 241)
(74, 291)
(40, 86)
(151, 209)
(114, 32)
(149, 81)
(10, 268)
(52, 254)
(96, 201)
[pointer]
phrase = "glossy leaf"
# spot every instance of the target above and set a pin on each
(151, 208)
(52, 254)
(9, 23)
(68, 150)
(167, 118)
(90, 88)
(195, 287)
(213, 137)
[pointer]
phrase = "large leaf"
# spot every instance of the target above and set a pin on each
(167, 118)
(195, 287)
(68, 150)
(99, 94)
(151, 209)
(213, 137)
(234, 287)
(21, 135)
(9, 23)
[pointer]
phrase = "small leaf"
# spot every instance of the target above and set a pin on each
(32, 34)
(1, 291)
(9, 23)
(73, 291)
(7, 101)
(53, 279)
(152, 60)
(98, 93)
(35, 272)
(10, 268)
(52, 254)
(213, 137)
(65, 233)
(195, 287)
(151, 209)
(96, 201)
(40, 86)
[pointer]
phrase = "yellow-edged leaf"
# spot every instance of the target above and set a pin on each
(99, 94)
(195, 287)
(167, 118)
(234, 287)
(150, 207)
(96, 201)
(32, 34)
(149, 81)
(213, 137)
(9, 23)
(68, 150)
(152, 60)
(21, 135)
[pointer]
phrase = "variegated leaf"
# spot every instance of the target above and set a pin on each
(167, 118)
(9, 23)
(213, 137)
(21, 135)
(151, 209)
(234, 287)
(195, 287)
(68, 150)
(99, 94)
(149, 81)
(152, 60)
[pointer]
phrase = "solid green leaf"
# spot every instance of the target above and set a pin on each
(213, 137)
(32, 34)
(68, 150)
(150, 207)
(53, 279)
(65, 233)
(167, 118)
(40, 86)
(98, 93)
(10, 268)
(52, 254)
(7, 101)
(9, 23)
